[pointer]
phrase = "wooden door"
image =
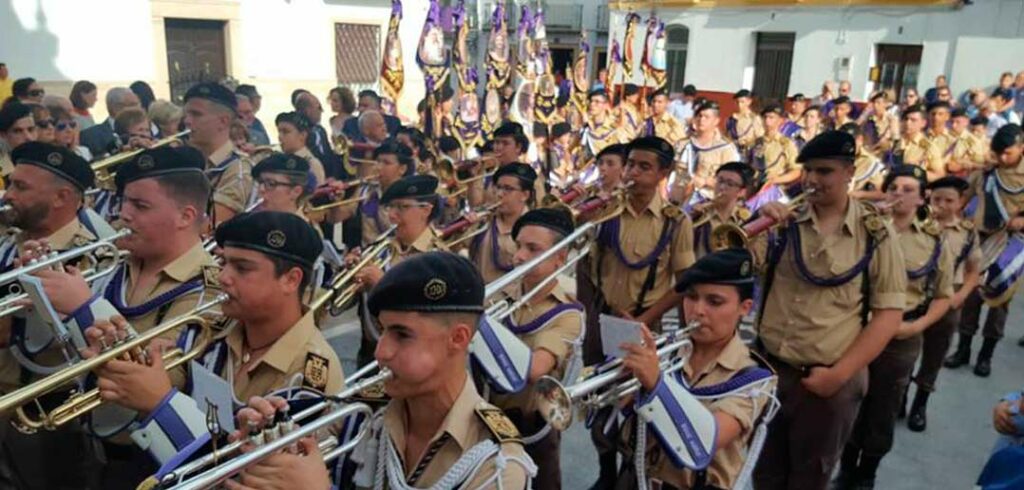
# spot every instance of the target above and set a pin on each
(195, 53)
(898, 67)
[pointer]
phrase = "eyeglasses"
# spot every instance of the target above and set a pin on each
(728, 183)
(45, 123)
(65, 125)
(401, 207)
(271, 184)
(36, 92)
(507, 188)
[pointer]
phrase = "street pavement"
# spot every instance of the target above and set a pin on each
(949, 455)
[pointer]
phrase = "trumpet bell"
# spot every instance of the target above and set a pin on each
(554, 403)
(726, 236)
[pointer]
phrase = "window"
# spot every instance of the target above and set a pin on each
(351, 44)
(677, 38)
(772, 65)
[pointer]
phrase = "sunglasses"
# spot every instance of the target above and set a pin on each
(37, 92)
(45, 123)
(65, 125)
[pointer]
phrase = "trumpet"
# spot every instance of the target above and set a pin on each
(210, 244)
(104, 169)
(92, 253)
(589, 206)
(608, 386)
(343, 289)
(344, 147)
(228, 461)
(311, 211)
(454, 234)
(448, 173)
(79, 403)
(730, 235)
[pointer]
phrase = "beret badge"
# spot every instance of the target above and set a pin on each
(276, 238)
(745, 268)
(435, 289)
(146, 162)
(55, 159)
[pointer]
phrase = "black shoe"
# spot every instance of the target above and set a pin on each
(983, 367)
(918, 421)
(1020, 341)
(962, 356)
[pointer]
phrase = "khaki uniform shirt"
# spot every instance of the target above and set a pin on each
(669, 128)
(968, 150)
(779, 154)
(481, 251)
(426, 242)
(804, 324)
(955, 237)
(298, 351)
(702, 234)
(600, 135)
(190, 265)
(315, 166)
(632, 122)
(463, 428)
(639, 231)
(556, 337)
(887, 129)
(233, 187)
(748, 129)
(69, 236)
(373, 226)
(868, 172)
(943, 141)
(921, 152)
(707, 161)
(727, 461)
(1013, 203)
(918, 244)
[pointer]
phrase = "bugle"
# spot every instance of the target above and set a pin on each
(730, 235)
(80, 403)
(343, 288)
(94, 253)
(608, 386)
(312, 211)
(210, 244)
(105, 171)
(344, 147)
(587, 209)
(228, 461)
(454, 233)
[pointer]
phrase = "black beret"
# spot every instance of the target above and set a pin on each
(745, 171)
(705, 105)
(444, 93)
(296, 119)
(274, 233)
(540, 130)
(912, 171)
(949, 181)
(411, 187)
(247, 90)
(613, 149)
(959, 112)
(392, 146)
(842, 99)
(741, 93)
(59, 160)
(830, 145)
(597, 92)
(282, 163)
(939, 104)
(798, 97)
(523, 171)
(979, 121)
(731, 266)
(515, 130)
(1007, 136)
(560, 129)
(213, 92)
(431, 282)
(156, 162)
(772, 108)
(879, 95)
(630, 89)
(557, 219)
(448, 144)
(689, 90)
(654, 144)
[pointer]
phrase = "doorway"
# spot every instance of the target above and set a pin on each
(898, 65)
(195, 53)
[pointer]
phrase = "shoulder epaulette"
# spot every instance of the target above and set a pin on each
(743, 213)
(498, 423)
(967, 224)
(875, 224)
(932, 227)
(211, 275)
(672, 211)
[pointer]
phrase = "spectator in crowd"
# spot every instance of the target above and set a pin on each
(101, 139)
(602, 80)
(44, 123)
(144, 92)
(66, 130)
(6, 84)
(828, 92)
(910, 98)
(370, 101)
(257, 102)
(247, 115)
(932, 94)
(83, 98)
(1002, 103)
(1018, 94)
(166, 116)
(343, 105)
(682, 109)
(132, 127)
(28, 90)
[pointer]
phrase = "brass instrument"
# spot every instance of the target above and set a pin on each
(454, 233)
(343, 288)
(94, 253)
(223, 463)
(448, 173)
(590, 206)
(80, 403)
(730, 235)
(344, 148)
(210, 244)
(105, 169)
(313, 212)
(607, 386)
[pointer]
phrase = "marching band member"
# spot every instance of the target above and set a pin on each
(631, 119)
(510, 144)
(293, 135)
(46, 195)
(744, 126)
(945, 202)
(929, 270)
(722, 394)
(269, 343)
(810, 128)
(842, 110)
(283, 182)
(913, 148)
(795, 115)
(563, 157)
(551, 325)
(164, 196)
(938, 132)
(391, 162)
(436, 428)
(601, 128)
(868, 170)
(661, 123)
(703, 154)
(1000, 210)
(492, 252)
(967, 153)
(879, 126)
(830, 307)
(210, 108)
(732, 182)
(773, 154)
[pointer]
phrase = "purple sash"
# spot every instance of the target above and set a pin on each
(540, 321)
(609, 237)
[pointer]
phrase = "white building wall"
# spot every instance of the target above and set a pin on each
(972, 45)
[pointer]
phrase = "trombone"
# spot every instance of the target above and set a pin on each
(608, 386)
(104, 168)
(228, 461)
(343, 289)
(344, 147)
(730, 235)
(448, 173)
(81, 403)
(313, 211)
(454, 233)
(91, 252)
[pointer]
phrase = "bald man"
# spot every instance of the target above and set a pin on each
(100, 139)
